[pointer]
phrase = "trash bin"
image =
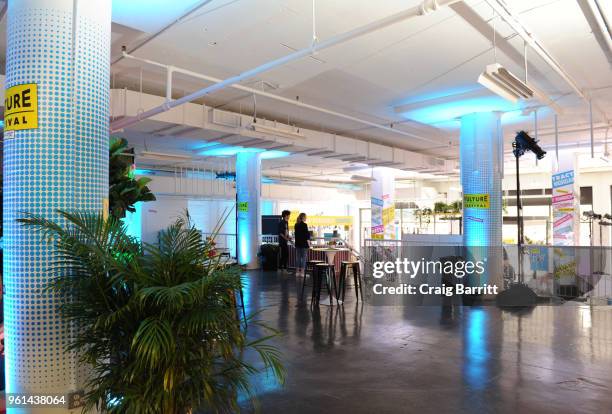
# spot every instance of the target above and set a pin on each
(268, 255)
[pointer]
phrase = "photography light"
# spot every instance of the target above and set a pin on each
(523, 142)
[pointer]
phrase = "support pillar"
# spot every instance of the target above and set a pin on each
(482, 161)
(382, 200)
(248, 207)
(55, 157)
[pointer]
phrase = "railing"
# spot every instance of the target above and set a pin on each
(225, 242)
(269, 238)
(565, 273)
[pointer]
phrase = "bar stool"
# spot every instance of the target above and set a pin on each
(323, 271)
(354, 267)
(310, 269)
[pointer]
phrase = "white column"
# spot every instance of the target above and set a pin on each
(481, 152)
(248, 194)
(55, 157)
(382, 200)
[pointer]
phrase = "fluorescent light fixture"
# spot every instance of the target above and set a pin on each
(362, 178)
(163, 156)
(500, 81)
(266, 129)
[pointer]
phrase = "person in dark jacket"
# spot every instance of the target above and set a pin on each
(283, 239)
(302, 237)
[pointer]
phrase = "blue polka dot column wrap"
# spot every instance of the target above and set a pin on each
(62, 46)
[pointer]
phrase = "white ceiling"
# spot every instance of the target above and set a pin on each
(434, 55)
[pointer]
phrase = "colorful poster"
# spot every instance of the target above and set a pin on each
(382, 201)
(565, 206)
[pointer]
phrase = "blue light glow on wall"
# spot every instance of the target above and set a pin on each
(229, 151)
(139, 171)
(447, 111)
(244, 235)
(133, 222)
(248, 195)
(267, 207)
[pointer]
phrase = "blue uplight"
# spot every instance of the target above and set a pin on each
(268, 155)
(133, 222)
(139, 171)
(230, 151)
(447, 111)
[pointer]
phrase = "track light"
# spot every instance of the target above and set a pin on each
(500, 81)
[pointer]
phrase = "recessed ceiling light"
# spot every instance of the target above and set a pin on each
(212, 43)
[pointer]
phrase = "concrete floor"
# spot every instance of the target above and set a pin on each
(429, 359)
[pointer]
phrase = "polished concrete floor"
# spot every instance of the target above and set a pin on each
(431, 359)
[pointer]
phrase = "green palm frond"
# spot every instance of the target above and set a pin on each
(157, 324)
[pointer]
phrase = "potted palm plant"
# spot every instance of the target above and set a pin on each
(124, 189)
(157, 324)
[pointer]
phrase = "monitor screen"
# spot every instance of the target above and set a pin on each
(269, 225)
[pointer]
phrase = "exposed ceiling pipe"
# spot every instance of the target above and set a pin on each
(164, 29)
(424, 8)
(169, 69)
(594, 15)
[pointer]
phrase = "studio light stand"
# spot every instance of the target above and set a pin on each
(602, 221)
(518, 293)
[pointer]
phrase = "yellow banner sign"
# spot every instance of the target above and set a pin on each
(21, 107)
(322, 221)
(475, 201)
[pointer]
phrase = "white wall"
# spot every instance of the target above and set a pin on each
(158, 215)
(174, 196)
(207, 200)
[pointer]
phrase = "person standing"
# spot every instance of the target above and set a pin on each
(283, 239)
(302, 237)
